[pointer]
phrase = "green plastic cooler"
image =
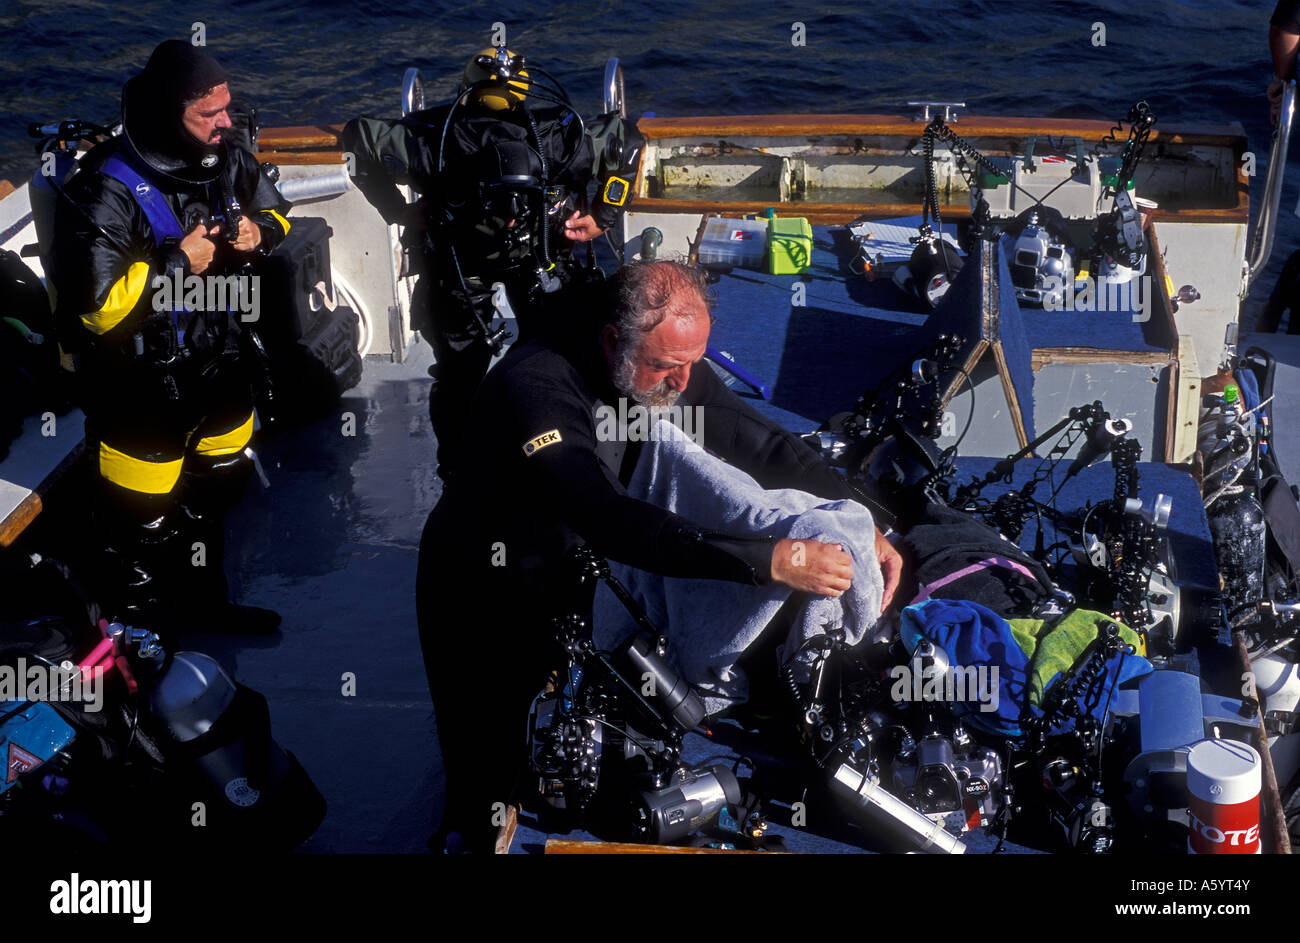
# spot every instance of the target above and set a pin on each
(789, 245)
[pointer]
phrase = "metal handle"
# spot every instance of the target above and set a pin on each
(412, 92)
(950, 116)
(1266, 224)
(614, 89)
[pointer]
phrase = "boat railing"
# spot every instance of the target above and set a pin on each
(613, 87)
(1266, 225)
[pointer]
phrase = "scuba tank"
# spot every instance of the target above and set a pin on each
(56, 149)
(54, 168)
(1226, 438)
(218, 733)
(1237, 529)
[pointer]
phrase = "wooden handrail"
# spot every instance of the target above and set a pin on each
(319, 144)
(564, 846)
(313, 137)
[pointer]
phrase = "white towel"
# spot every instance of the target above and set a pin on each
(710, 623)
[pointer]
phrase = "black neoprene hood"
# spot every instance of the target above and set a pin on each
(152, 105)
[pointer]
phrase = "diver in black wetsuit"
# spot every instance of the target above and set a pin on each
(492, 558)
(503, 175)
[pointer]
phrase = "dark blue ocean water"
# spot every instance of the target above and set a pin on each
(303, 63)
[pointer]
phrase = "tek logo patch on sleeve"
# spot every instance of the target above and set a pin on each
(542, 441)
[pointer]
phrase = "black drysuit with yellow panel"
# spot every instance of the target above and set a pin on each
(166, 393)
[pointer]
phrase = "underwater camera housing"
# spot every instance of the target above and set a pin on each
(1042, 257)
(895, 758)
(605, 743)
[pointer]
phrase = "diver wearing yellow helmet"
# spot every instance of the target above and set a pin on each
(503, 173)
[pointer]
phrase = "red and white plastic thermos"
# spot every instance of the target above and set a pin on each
(1223, 781)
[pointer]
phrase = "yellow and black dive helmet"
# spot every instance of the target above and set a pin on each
(500, 77)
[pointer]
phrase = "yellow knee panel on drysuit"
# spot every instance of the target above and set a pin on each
(160, 477)
(138, 474)
(227, 443)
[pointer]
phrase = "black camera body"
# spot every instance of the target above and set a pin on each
(227, 217)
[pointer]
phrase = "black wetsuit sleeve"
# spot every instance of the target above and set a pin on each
(738, 433)
(617, 147)
(382, 154)
(105, 258)
(1286, 16)
(558, 468)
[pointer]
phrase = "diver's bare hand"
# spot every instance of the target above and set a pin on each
(581, 228)
(250, 235)
(199, 248)
(812, 566)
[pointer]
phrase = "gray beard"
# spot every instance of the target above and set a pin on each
(657, 397)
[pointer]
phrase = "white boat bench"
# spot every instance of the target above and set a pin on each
(35, 463)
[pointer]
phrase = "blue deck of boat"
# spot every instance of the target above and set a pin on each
(333, 544)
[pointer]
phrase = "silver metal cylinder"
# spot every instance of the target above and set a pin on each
(320, 187)
(929, 836)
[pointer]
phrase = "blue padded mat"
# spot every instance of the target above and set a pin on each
(821, 356)
(1016, 346)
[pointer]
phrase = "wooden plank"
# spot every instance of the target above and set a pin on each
(315, 145)
(991, 303)
(563, 846)
(299, 158)
(1009, 389)
(300, 138)
(1164, 308)
(1229, 135)
(818, 214)
(1041, 356)
(6, 188)
(1274, 836)
(506, 832)
(19, 519)
(1186, 390)
(839, 214)
(29, 507)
